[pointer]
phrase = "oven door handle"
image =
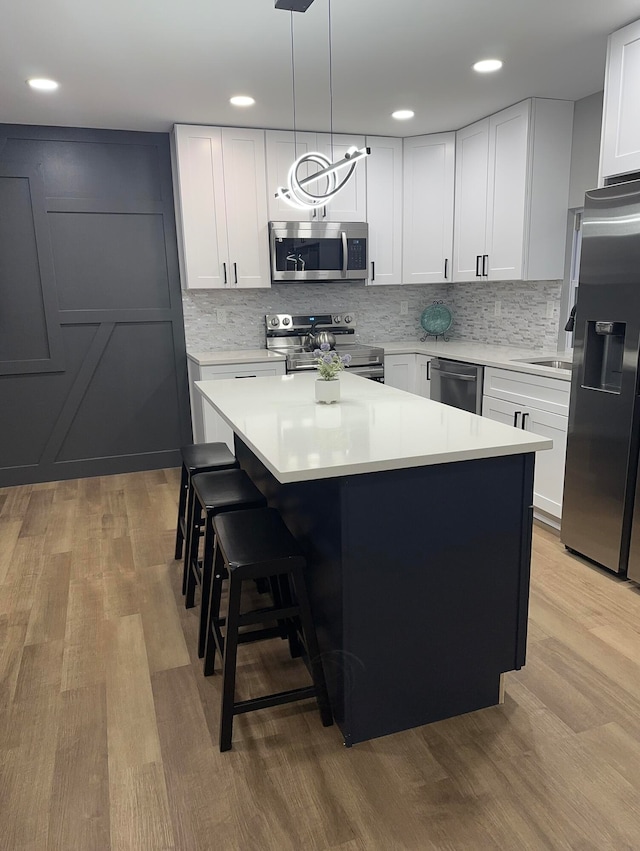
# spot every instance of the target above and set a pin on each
(345, 254)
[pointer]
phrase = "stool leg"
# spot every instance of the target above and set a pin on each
(229, 662)
(291, 631)
(182, 501)
(213, 618)
(205, 584)
(188, 532)
(191, 556)
(311, 640)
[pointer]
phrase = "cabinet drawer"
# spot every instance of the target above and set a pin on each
(535, 391)
(246, 370)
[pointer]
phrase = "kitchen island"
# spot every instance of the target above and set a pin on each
(416, 521)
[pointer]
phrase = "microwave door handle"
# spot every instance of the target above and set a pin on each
(345, 254)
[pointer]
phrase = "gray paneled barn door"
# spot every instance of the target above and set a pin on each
(92, 352)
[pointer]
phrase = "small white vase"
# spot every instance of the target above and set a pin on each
(327, 391)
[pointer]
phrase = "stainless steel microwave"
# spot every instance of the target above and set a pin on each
(318, 251)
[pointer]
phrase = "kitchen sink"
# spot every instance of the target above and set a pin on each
(552, 362)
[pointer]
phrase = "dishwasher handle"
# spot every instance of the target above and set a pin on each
(456, 375)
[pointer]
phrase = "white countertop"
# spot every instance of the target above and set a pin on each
(373, 428)
(239, 356)
(504, 357)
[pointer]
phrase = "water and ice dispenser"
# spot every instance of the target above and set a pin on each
(603, 355)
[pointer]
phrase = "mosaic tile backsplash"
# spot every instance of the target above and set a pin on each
(519, 314)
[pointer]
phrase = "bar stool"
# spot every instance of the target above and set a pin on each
(197, 458)
(253, 545)
(213, 493)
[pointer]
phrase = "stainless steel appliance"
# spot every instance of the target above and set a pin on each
(457, 384)
(601, 508)
(297, 336)
(318, 251)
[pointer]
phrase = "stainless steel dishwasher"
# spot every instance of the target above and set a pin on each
(457, 384)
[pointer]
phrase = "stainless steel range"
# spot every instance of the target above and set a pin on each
(296, 336)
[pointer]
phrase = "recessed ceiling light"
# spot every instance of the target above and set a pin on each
(42, 84)
(242, 100)
(487, 65)
(402, 114)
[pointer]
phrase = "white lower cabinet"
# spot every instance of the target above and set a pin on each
(539, 405)
(400, 372)
(208, 426)
(410, 372)
(423, 376)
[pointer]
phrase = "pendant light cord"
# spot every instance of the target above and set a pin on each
(293, 92)
(330, 83)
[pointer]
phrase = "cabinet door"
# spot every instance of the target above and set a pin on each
(548, 480)
(282, 150)
(501, 411)
(428, 208)
(245, 187)
(620, 150)
(507, 192)
(472, 163)
(384, 209)
(200, 206)
(423, 376)
(400, 372)
(350, 204)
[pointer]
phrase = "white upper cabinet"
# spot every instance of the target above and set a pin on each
(349, 204)
(429, 169)
(221, 207)
(282, 151)
(620, 146)
(512, 189)
(384, 209)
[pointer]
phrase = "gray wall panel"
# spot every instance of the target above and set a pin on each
(108, 261)
(112, 395)
(96, 170)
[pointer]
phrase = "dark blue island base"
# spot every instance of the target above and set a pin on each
(419, 583)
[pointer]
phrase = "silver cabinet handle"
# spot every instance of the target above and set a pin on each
(515, 418)
(345, 254)
(457, 376)
(235, 272)
(224, 269)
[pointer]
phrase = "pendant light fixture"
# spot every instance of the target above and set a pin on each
(297, 193)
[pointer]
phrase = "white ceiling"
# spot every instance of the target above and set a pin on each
(146, 64)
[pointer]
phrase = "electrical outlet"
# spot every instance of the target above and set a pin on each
(550, 309)
(497, 308)
(404, 308)
(221, 316)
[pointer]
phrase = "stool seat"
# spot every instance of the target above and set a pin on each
(257, 540)
(225, 489)
(251, 545)
(197, 458)
(203, 456)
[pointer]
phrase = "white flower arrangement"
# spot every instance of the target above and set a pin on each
(330, 363)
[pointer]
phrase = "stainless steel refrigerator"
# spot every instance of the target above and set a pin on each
(601, 508)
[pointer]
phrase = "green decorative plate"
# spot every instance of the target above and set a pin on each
(436, 319)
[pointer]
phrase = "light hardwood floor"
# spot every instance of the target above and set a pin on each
(108, 729)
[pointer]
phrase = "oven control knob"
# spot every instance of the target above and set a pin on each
(275, 321)
(347, 319)
(286, 321)
(337, 320)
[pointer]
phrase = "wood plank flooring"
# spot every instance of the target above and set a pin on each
(108, 730)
